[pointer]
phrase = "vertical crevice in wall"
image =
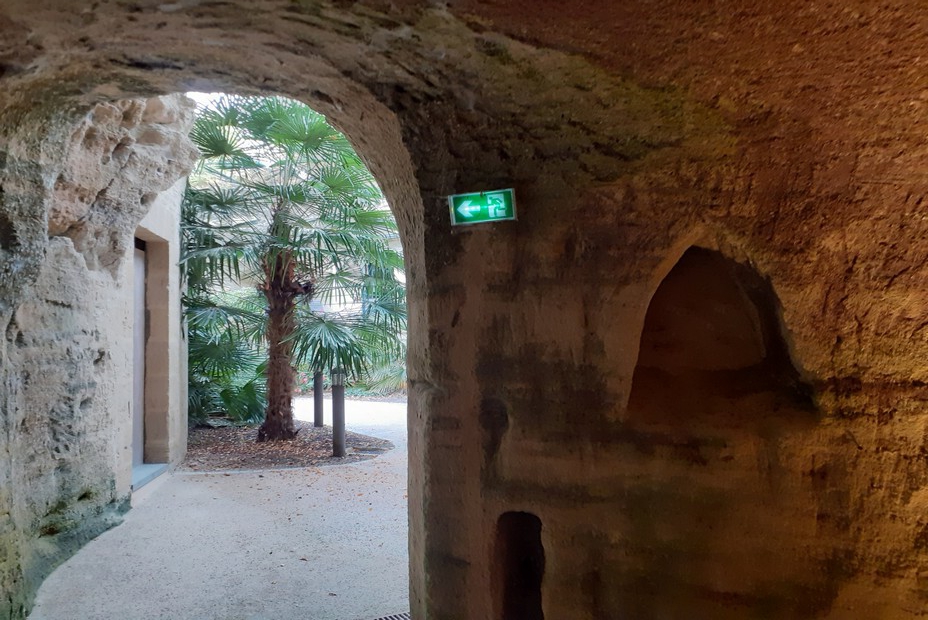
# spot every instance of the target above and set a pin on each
(8, 238)
(494, 422)
(519, 567)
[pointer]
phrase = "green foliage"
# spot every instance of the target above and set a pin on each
(386, 378)
(226, 365)
(274, 180)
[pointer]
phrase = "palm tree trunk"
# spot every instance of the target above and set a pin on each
(279, 289)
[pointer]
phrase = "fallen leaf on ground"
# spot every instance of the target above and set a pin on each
(236, 448)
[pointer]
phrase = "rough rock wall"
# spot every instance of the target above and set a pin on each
(66, 364)
(788, 137)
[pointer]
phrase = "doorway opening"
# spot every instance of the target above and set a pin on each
(385, 149)
(519, 567)
(294, 270)
(151, 356)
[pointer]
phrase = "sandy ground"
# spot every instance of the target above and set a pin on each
(322, 543)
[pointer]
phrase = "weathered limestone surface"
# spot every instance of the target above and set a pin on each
(787, 138)
(67, 351)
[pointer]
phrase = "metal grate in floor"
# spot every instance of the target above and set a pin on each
(396, 617)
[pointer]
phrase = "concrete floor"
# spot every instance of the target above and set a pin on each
(324, 543)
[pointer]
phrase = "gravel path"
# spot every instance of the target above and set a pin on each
(321, 543)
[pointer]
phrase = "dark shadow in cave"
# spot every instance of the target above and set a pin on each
(519, 566)
(713, 350)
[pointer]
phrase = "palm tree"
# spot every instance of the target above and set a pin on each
(280, 201)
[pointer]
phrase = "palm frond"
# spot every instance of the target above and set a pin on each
(326, 341)
(245, 403)
(387, 377)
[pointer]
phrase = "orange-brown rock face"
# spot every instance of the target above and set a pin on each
(690, 380)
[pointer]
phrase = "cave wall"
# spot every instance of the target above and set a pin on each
(67, 354)
(788, 138)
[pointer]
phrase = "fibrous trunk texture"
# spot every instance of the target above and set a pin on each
(279, 291)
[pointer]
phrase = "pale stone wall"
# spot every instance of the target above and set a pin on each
(67, 359)
(166, 351)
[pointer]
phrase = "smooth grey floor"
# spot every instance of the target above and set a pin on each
(145, 473)
(324, 543)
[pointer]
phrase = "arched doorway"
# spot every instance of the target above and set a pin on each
(98, 493)
(729, 419)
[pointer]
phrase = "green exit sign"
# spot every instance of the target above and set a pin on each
(482, 207)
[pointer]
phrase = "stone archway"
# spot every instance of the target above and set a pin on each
(81, 164)
(404, 88)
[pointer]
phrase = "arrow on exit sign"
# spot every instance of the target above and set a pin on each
(480, 207)
(468, 210)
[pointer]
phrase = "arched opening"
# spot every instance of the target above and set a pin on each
(84, 488)
(320, 288)
(724, 422)
(518, 567)
(712, 350)
(156, 122)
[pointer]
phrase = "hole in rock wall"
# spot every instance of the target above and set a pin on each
(8, 238)
(519, 567)
(712, 350)
(718, 508)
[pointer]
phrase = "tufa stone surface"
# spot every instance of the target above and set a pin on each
(66, 353)
(119, 159)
